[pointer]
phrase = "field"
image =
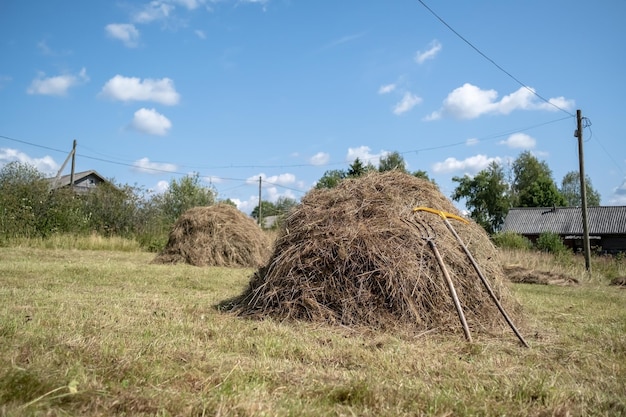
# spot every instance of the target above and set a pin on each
(102, 332)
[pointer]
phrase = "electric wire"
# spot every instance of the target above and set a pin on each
(494, 62)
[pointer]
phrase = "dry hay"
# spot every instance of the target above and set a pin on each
(218, 235)
(355, 255)
(521, 275)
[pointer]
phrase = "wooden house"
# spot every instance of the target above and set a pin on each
(83, 181)
(606, 224)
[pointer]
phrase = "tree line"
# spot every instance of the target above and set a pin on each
(30, 208)
(488, 195)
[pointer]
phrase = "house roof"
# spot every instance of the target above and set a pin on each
(601, 220)
(78, 176)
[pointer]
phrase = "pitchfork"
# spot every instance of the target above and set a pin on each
(445, 216)
(430, 239)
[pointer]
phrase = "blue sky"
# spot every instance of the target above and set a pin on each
(285, 90)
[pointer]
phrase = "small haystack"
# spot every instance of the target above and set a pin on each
(218, 235)
(356, 255)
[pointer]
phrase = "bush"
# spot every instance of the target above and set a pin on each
(511, 240)
(551, 242)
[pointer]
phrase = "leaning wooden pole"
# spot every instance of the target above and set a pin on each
(453, 294)
(485, 282)
(445, 216)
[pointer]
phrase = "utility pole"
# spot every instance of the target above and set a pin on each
(73, 165)
(260, 215)
(583, 189)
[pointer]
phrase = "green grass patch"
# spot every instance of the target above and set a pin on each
(105, 332)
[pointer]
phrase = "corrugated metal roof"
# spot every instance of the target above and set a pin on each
(602, 220)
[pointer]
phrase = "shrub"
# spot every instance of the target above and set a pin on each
(511, 240)
(551, 242)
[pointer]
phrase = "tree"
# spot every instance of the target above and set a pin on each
(570, 189)
(183, 195)
(486, 196)
(331, 178)
(423, 175)
(533, 185)
(285, 204)
(23, 200)
(357, 168)
(267, 209)
(392, 161)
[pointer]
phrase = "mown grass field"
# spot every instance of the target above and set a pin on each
(103, 332)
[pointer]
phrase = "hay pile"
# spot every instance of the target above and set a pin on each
(355, 255)
(218, 235)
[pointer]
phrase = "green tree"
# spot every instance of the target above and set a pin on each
(357, 168)
(284, 205)
(486, 196)
(423, 175)
(570, 189)
(184, 194)
(267, 209)
(533, 185)
(331, 178)
(112, 210)
(23, 200)
(541, 193)
(392, 161)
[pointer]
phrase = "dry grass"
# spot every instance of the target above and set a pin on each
(106, 333)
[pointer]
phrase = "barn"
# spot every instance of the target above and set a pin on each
(607, 225)
(83, 181)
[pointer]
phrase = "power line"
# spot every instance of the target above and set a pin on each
(492, 61)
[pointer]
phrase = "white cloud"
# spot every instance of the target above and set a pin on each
(619, 195)
(134, 89)
(147, 166)
(151, 122)
(433, 49)
(519, 141)
(271, 190)
(125, 32)
(155, 10)
(409, 100)
(56, 86)
(320, 158)
(386, 89)
(470, 102)
(45, 165)
(282, 179)
(472, 142)
(364, 154)
(472, 164)
(200, 33)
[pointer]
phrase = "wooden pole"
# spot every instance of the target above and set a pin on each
(73, 165)
(583, 190)
(455, 298)
(485, 282)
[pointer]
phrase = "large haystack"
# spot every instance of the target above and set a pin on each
(218, 235)
(356, 255)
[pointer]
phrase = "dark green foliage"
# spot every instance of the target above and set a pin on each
(184, 194)
(533, 185)
(357, 168)
(392, 161)
(511, 240)
(485, 196)
(541, 193)
(331, 178)
(551, 242)
(23, 200)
